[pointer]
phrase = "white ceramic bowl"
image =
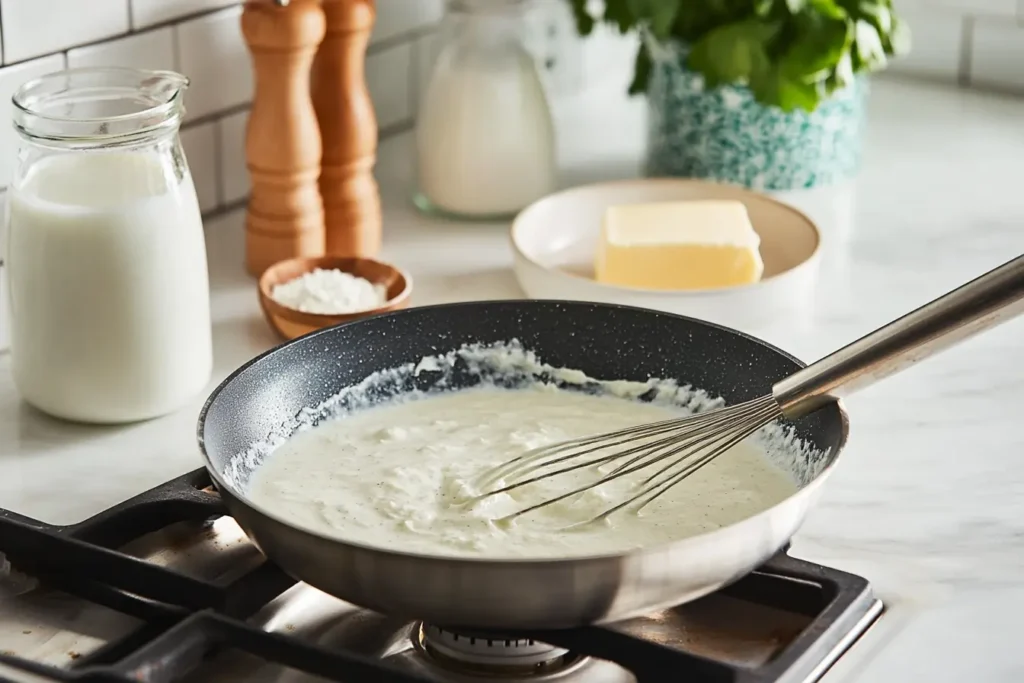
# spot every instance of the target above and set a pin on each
(555, 238)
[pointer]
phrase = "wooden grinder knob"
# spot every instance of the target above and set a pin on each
(348, 128)
(282, 145)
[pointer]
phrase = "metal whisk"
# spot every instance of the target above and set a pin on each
(672, 450)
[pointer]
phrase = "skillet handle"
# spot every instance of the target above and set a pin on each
(982, 303)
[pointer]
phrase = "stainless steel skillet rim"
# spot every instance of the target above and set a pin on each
(243, 500)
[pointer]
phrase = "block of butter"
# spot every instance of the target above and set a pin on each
(684, 245)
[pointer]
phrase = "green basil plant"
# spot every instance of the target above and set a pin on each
(790, 53)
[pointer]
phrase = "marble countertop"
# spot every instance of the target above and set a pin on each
(928, 502)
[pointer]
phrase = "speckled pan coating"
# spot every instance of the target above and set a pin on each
(605, 342)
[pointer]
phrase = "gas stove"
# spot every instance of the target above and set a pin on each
(165, 587)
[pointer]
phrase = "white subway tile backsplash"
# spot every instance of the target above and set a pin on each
(11, 78)
(202, 39)
(149, 12)
(36, 27)
(200, 145)
(234, 177)
(395, 17)
(607, 54)
(389, 77)
(997, 54)
(960, 7)
(995, 8)
(149, 50)
(213, 55)
(936, 46)
(552, 39)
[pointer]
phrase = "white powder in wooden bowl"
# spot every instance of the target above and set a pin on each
(329, 292)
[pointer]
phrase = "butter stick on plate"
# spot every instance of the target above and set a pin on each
(683, 245)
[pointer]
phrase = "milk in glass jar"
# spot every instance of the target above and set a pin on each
(109, 293)
(485, 140)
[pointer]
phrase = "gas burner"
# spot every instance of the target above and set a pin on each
(197, 601)
(489, 652)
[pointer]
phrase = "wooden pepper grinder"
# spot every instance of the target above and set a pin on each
(348, 127)
(282, 146)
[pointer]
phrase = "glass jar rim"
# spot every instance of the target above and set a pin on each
(99, 106)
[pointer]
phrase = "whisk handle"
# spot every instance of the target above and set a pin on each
(993, 298)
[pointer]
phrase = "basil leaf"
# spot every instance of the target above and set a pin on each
(641, 71)
(763, 8)
(732, 53)
(774, 87)
(619, 14)
(689, 22)
(828, 8)
(792, 53)
(877, 14)
(664, 17)
(584, 22)
(869, 49)
(898, 42)
(819, 44)
(659, 14)
(843, 74)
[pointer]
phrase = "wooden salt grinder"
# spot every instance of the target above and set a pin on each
(348, 127)
(282, 145)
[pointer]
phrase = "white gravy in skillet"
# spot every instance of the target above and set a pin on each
(397, 476)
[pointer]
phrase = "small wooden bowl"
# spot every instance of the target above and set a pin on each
(290, 323)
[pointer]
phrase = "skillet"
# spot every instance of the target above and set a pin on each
(605, 342)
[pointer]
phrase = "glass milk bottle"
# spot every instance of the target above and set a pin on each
(109, 293)
(484, 138)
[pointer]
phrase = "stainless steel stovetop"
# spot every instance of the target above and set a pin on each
(166, 588)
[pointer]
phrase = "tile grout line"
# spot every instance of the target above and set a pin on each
(227, 207)
(176, 47)
(966, 50)
(132, 31)
(216, 115)
(184, 18)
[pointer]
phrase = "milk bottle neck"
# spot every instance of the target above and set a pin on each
(100, 108)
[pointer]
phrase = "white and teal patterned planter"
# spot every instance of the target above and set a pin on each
(723, 134)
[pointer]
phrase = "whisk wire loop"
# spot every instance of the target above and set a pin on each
(686, 443)
(692, 467)
(533, 460)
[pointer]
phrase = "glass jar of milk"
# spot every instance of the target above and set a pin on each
(484, 138)
(109, 293)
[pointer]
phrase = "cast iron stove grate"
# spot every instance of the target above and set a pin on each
(187, 620)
